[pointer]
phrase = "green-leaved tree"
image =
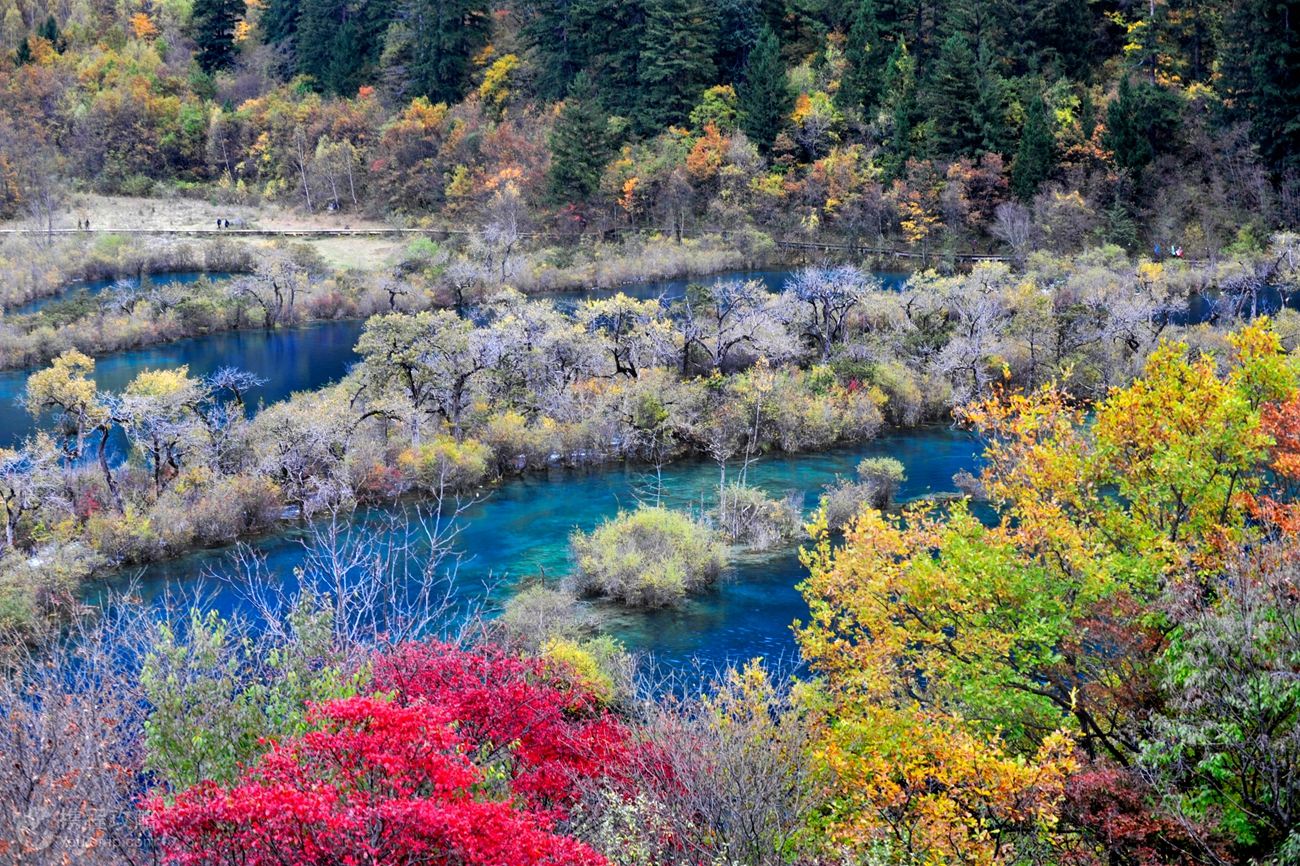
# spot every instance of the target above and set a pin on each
(764, 94)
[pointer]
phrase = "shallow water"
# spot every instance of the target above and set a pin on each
(520, 529)
(291, 359)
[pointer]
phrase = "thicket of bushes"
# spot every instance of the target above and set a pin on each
(650, 557)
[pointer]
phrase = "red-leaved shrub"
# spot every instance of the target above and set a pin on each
(467, 758)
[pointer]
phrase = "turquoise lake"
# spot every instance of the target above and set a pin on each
(519, 530)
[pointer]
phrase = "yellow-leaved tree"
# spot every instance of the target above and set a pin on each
(966, 664)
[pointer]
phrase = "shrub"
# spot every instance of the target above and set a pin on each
(746, 515)
(471, 757)
(650, 557)
(235, 506)
(375, 782)
(537, 615)
(215, 695)
(877, 481)
(599, 665)
(882, 475)
(445, 464)
(34, 588)
(517, 445)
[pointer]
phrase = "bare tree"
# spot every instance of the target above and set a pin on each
(1013, 225)
(28, 478)
(827, 297)
(43, 185)
(727, 778)
(722, 317)
(386, 581)
(71, 714)
(302, 155)
(274, 286)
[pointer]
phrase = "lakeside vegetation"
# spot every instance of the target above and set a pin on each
(289, 284)
(1089, 656)
(1101, 669)
(440, 404)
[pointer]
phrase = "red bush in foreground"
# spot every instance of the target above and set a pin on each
(472, 761)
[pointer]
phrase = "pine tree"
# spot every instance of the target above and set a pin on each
(213, 23)
(899, 103)
(953, 99)
(580, 144)
(739, 25)
(1036, 155)
(1126, 130)
(49, 31)
(764, 94)
(860, 86)
(991, 100)
(279, 21)
(602, 37)
(318, 20)
(445, 35)
(555, 37)
(23, 55)
(1260, 57)
(347, 59)
(676, 63)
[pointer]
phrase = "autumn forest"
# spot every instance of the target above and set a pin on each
(649, 433)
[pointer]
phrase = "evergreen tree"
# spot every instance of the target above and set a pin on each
(900, 107)
(860, 86)
(953, 99)
(602, 37)
(213, 23)
(338, 42)
(279, 21)
(1087, 114)
(991, 101)
(347, 59)
(1260, 58)
(1036, 155)
(444, 37)
(1058, 35)
(1126, 133)
(49, 31)
(23, 55)
(314, 45)
(740, 23)
(676, 63)
(764, 94)
(554, 35)
(580, 144)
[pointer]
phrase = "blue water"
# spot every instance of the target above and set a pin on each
(292, 359)
(519, 531)
(94, 287)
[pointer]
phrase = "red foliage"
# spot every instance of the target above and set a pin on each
(1112, 807)
(1277, 507)
(551, 734)
(403, 781)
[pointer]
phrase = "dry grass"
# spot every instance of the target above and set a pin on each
(117, 213)
(362, 254)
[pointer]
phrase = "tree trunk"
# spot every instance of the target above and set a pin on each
(108, 473)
